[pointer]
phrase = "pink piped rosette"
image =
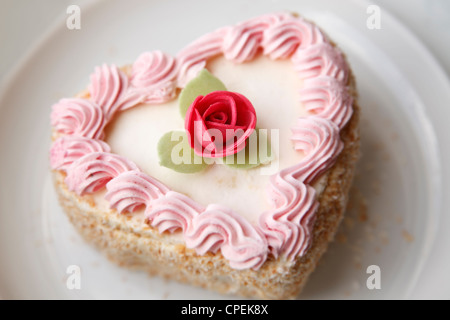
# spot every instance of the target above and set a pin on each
(285, 229)
(229, 114)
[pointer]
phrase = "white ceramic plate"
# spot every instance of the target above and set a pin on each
(397, 195)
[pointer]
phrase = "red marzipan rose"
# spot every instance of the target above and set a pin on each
(219, 123)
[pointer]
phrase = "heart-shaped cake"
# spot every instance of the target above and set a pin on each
(227, 165)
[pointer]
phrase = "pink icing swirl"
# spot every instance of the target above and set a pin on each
(91, 172)
(131, 98)
(108, 88)
(67, 149)
(154, 73)
(288, 226)
(132, 189)
(321, 60)
(319, 139)
(193, 58)
(327, 98)
(220, 228)
(243, 41)
(282, 38)
(172, 212)
(78, 117)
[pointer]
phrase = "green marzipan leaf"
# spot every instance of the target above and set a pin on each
(172, 148)
(252, 154)
(201, 85)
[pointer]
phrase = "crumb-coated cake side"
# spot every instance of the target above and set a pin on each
(270, 257)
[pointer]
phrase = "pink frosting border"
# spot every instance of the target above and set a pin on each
(285, 230)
